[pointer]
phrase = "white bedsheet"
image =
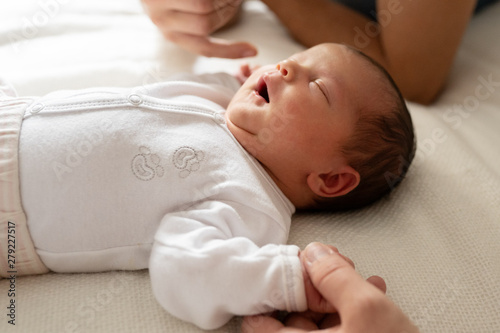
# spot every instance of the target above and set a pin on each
(436, 239)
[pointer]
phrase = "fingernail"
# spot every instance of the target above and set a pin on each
(315, 251)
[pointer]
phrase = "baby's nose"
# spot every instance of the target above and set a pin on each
(286, 68)
(281, 67)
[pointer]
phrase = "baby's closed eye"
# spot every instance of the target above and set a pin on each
(319, 85)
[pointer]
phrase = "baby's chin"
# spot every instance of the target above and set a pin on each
(238, 115)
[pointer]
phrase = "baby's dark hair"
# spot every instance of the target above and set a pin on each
(381, 148)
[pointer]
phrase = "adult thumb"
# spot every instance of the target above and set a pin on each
(332, 275)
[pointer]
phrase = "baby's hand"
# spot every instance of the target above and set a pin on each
(316, 302)
(245, 71)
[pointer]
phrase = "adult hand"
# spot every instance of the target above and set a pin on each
(316, 303)
(189, 23)
(361, 306)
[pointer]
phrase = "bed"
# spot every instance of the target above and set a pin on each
(435, 239)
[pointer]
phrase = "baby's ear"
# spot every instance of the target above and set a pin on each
(335, 183)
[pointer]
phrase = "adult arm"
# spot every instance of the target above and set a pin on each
(415, 41)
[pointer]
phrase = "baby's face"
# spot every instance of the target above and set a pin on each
(300, 111)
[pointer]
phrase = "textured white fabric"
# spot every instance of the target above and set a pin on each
(436, 239)
(17, 254)
(104, 166)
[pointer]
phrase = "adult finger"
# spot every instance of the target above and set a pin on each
(378, 282)
(315, 299)
(333, 319)
(348, 260)
(343, 256)
(213, 47)
(333, 276)
(191, 23)
(192, 6)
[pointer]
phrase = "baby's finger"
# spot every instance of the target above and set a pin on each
(348, 260)
(260, 324)
(330, 321)
(245, 69)
(302, 321)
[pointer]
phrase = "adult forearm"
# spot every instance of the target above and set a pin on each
(319, 21)
(415, 41)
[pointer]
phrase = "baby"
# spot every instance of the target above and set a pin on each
(198, 180)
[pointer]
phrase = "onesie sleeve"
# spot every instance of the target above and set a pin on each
(203, 272)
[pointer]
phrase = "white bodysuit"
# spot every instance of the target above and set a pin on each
(125, 179)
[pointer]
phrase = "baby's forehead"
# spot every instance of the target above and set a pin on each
(358, 75)
(334, 57)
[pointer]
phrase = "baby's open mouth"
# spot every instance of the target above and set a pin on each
(262, 89)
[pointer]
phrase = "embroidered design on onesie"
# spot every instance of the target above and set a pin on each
(187, 160)
(146, 165)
